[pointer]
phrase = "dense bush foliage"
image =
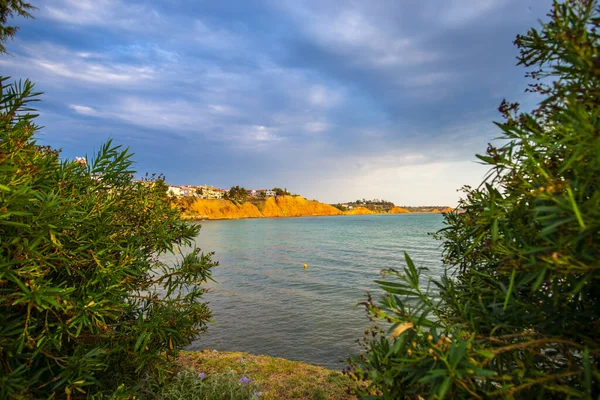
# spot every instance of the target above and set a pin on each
(518, 313)
(85, 304)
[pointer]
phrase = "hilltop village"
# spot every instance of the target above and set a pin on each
(211, 193)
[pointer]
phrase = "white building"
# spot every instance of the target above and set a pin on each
(209, 192)
(174, 191)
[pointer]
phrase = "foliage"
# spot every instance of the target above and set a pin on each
(237, 194)
(517, 314)
(8, 9)
(190, 384)
(280, 191)
(340, 207)
(85, 304)
(159, 185)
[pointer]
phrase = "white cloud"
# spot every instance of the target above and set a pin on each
(316, 126)
(321, 96)
(87, 54)
(84, 110)
(181, 118)
(460, 12)
(223, 110)
(259, 133)
(177, 115)
(217, 38)
(96, 73)
(110, 14)
(51, 63)
(352, 33)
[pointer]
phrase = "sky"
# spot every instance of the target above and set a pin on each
(333, 100)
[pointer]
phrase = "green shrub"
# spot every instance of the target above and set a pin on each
(190, 384)
(85, 304)
(517, 314)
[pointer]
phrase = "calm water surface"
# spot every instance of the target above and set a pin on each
(265, 302)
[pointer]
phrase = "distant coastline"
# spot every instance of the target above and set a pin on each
(194, 209)
(203, 218)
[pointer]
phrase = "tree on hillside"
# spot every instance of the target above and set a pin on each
(517, 314)
(11, 9)
(237, 194)
(340, 207)
(280, 191)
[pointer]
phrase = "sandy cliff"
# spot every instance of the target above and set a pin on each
(359, 211)
(273, 207)
(296, 206)
(221, 209)
(283, 206)
(398, 210)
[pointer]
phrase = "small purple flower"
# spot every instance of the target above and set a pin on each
(257, 394)
(201, 375)
(179, 373)
(241, 360)
(245, 380)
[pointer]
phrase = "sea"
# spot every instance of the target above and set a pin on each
(264, 300)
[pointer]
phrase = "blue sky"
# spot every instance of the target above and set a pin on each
(335, 100)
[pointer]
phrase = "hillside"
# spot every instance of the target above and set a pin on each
(398, 210)
(359, 211)
(282, 206)
(277, 378)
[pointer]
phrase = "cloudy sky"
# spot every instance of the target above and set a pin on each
(335, 100)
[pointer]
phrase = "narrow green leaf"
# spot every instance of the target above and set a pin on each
(510, 288)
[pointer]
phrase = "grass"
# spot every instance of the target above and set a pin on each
(190, 384)
(275, 378)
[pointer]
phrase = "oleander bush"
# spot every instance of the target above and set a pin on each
(517, 314)
(86, 306)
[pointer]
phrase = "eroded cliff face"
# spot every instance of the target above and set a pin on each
(282, 206)
(273, 207)
(397, 210)
(359, 211)
(221, 209)
(296, 206)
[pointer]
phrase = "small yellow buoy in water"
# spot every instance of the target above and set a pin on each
(305, 266)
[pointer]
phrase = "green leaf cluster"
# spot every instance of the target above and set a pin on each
(237, 194)
(86, 305)
(8, 10)
(517, 314)
(281, 192)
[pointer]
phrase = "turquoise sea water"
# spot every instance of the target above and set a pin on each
(265, 302)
